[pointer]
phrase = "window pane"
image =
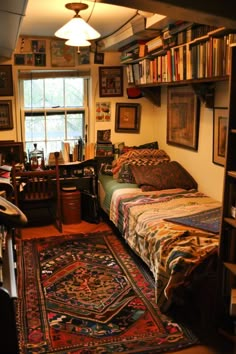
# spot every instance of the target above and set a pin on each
(75, 125)
(54, 92)
(56, 126)
(74, 92)
(34, 93)
(34, 128)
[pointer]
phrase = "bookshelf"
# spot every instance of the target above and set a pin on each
(227, 248)
(184, 54)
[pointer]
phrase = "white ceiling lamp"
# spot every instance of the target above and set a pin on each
(77, 28)
(78, 42)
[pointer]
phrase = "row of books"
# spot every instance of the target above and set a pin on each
(170, 36)
(209, 58)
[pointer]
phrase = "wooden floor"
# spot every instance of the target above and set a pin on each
(211, 344)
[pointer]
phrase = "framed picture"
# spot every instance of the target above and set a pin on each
(220, 126)
(127, 118)
(110, 81)
(62, 54)
(98, 58)
(6, 85)
(6, 121)
(183, 107)
(11, 151)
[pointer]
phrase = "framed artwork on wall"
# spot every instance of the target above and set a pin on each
(220, 126)
(6, 121)
(6, 84)
(127, 118)
(11, 151)
(183, 108)
(62, 54)
(110, 81)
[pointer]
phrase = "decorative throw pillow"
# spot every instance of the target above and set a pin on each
(153, 145)
(125, 174)
(140, 157)
(106, 169)
(166, 175)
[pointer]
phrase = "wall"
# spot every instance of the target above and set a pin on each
(153, 126)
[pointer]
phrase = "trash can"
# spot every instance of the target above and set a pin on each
(71, 207)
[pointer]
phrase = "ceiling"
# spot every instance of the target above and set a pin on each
(44, 17)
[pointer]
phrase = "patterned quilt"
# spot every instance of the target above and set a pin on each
(171, 251)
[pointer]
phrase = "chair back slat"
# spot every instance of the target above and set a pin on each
(38, 186)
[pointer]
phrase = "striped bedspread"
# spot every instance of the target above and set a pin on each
(171, 251)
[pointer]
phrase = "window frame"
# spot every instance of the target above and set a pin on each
(52, 74)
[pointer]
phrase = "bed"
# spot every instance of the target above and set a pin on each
(157, 208)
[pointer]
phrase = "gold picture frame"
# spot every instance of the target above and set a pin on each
(6, 119)
(127, 118)
(183, 109)
(110, 81)
(220, 126)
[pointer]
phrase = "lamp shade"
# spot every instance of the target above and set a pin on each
(77, 27)
(77, 42)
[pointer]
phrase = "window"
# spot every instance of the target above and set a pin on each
(54, 111)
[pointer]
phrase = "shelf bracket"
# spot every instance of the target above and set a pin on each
(152, 93)
(206, 93)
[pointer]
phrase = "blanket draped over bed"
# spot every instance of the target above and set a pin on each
(171, 251)
(146, 190)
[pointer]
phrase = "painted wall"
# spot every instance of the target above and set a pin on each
(153, 126)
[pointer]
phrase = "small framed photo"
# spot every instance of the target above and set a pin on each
(110, 81)
(220, 126)
(127, 118)
(183, 117)
(6, 121)
(6, 84)
(98, 58)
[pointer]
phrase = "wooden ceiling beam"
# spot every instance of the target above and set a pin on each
(217, 13)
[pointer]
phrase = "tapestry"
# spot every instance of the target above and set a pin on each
(84, 294)
(208, 220)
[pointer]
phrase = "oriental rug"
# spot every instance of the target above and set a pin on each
(208, 220)
(85, 294)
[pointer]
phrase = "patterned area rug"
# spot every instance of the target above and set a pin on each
(85, 294)
(206, 220)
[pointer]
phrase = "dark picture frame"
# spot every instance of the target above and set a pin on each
(220, 127)
(6, 119)
(98, 58)
(11, 151)
(6, 83)
(110, 81)
(183, 109)
(127, 119)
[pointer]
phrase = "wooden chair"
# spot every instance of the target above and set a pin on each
(37, 191)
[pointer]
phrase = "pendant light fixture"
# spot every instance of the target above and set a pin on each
(77, 31)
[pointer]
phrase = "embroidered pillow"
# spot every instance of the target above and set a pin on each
(166, 175)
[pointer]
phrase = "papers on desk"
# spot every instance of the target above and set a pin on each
(5, 173)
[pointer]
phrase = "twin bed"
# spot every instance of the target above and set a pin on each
(156, 206)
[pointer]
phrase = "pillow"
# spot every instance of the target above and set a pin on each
(141, 157)
(125, 174)
(106, 169)
(166, 175)
(152, 145)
